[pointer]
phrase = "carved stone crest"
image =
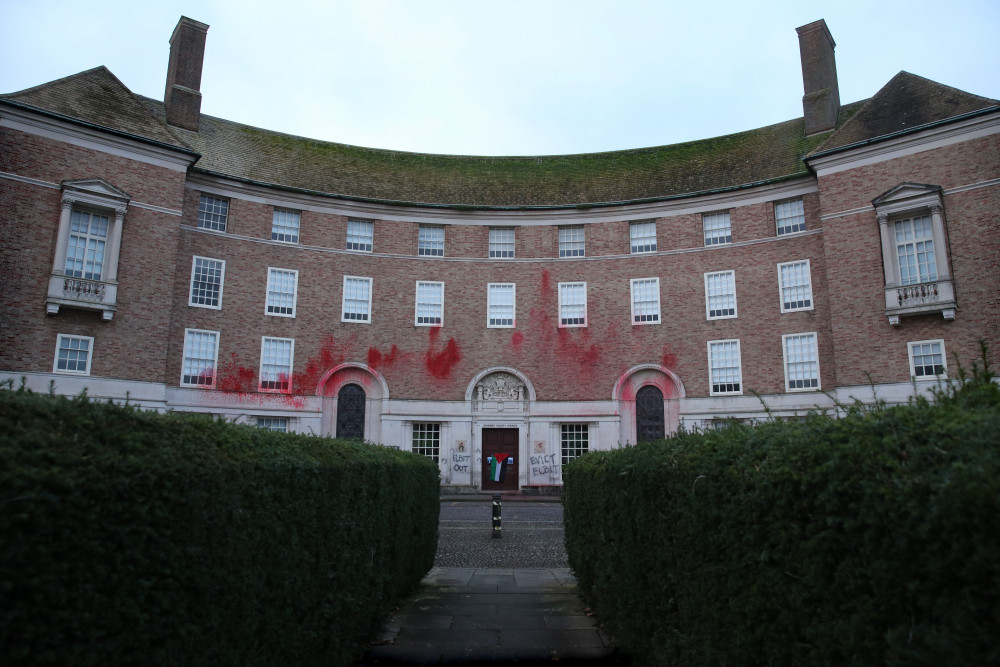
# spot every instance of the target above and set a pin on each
(500, 386)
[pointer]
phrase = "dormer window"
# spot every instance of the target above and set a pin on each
(914, 252)
(85, 267)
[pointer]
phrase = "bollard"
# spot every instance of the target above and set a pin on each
(496, 518)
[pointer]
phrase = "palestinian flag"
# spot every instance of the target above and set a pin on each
(496, 467)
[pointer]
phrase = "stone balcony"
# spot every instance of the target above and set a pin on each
(921, 299)
(81, 294)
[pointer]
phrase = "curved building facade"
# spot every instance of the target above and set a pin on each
(501, 314)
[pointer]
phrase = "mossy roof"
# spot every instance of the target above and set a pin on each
(235, 150)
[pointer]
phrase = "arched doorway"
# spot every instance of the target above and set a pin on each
(351, 412)
(649, 423)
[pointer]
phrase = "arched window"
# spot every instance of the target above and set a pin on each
(351, 412)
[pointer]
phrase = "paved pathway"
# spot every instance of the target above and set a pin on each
(488, 615)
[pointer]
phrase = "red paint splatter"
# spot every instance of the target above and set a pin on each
(378, 360)
(668, 359)
(234, 378)
(516, 340)
(331, 353)
(577, 348)
(440, 364)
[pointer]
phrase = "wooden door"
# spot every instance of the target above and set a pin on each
(351, 412)
(649, 423)
(500, 459)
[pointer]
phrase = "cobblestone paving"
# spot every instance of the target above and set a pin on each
(532, 535)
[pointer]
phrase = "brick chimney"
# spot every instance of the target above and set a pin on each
(821, 102)
(182, 97)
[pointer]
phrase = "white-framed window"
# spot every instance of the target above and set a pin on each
(574, 441)
(725, 367)
(213, 213)
(927, 359)
(201, 353)
(717, 228)
(427, 440)
(73, 354)
(642, 236)
(720, 295)
(572, 242)
(789, 216)
(207, 276)
(285, 226)
(430, 241)
(85, 263)
(282, 292)
(88, 236)
(360, 234)
(357, 303)
(500, 305)
(645, 300)
(801, 362)
(915, 250)
(430, 304)
(501, 242)
(795, 286)
(572, 304)
(276, 355)
(279, 424)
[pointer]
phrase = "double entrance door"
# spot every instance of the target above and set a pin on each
(500, 459)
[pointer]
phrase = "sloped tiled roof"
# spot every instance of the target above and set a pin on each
(96, 96)
(767, 154)
(907, 102)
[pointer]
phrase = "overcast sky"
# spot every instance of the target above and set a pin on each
(504, 78)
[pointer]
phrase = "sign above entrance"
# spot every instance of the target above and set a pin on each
(500, 425)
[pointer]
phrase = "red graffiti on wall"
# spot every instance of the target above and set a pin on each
(515, 341)
(378, 360)
(441, 363)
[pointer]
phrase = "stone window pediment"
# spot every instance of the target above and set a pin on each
(85, 266)
(915, 252)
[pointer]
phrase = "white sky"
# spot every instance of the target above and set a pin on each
(519, 77)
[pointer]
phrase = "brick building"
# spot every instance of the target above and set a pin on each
(512, 310)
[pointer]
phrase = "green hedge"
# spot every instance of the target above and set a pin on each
(129, 537)
(870, 539)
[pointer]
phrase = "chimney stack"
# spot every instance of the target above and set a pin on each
(182, 96)
(821, 102)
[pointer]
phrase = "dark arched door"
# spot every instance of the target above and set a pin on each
(351, 412)
(649, 414)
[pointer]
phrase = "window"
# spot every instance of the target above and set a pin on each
(927, 359)
(645, 300)
(572, 304)
(359, 235)
(571, 242)
(720, 295)
(717, 227)
(914, 252)
(285, 226)
(206, 282)
(430, 241)
(427, 440)
(500, 305)
(213, 213)
(279, 424)
(282, 287)
(73, 354)
(789, 216)
(801, 362)
(85, 264)
(725, 368)
(357, 305)
(642, 236)
(201, 349)
(88, 235)
(501, 242)
(574, 440)
(430, 303)
(276, 364)
(795, 285)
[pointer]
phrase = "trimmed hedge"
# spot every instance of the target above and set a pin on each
(129, 537)
(870, 539)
